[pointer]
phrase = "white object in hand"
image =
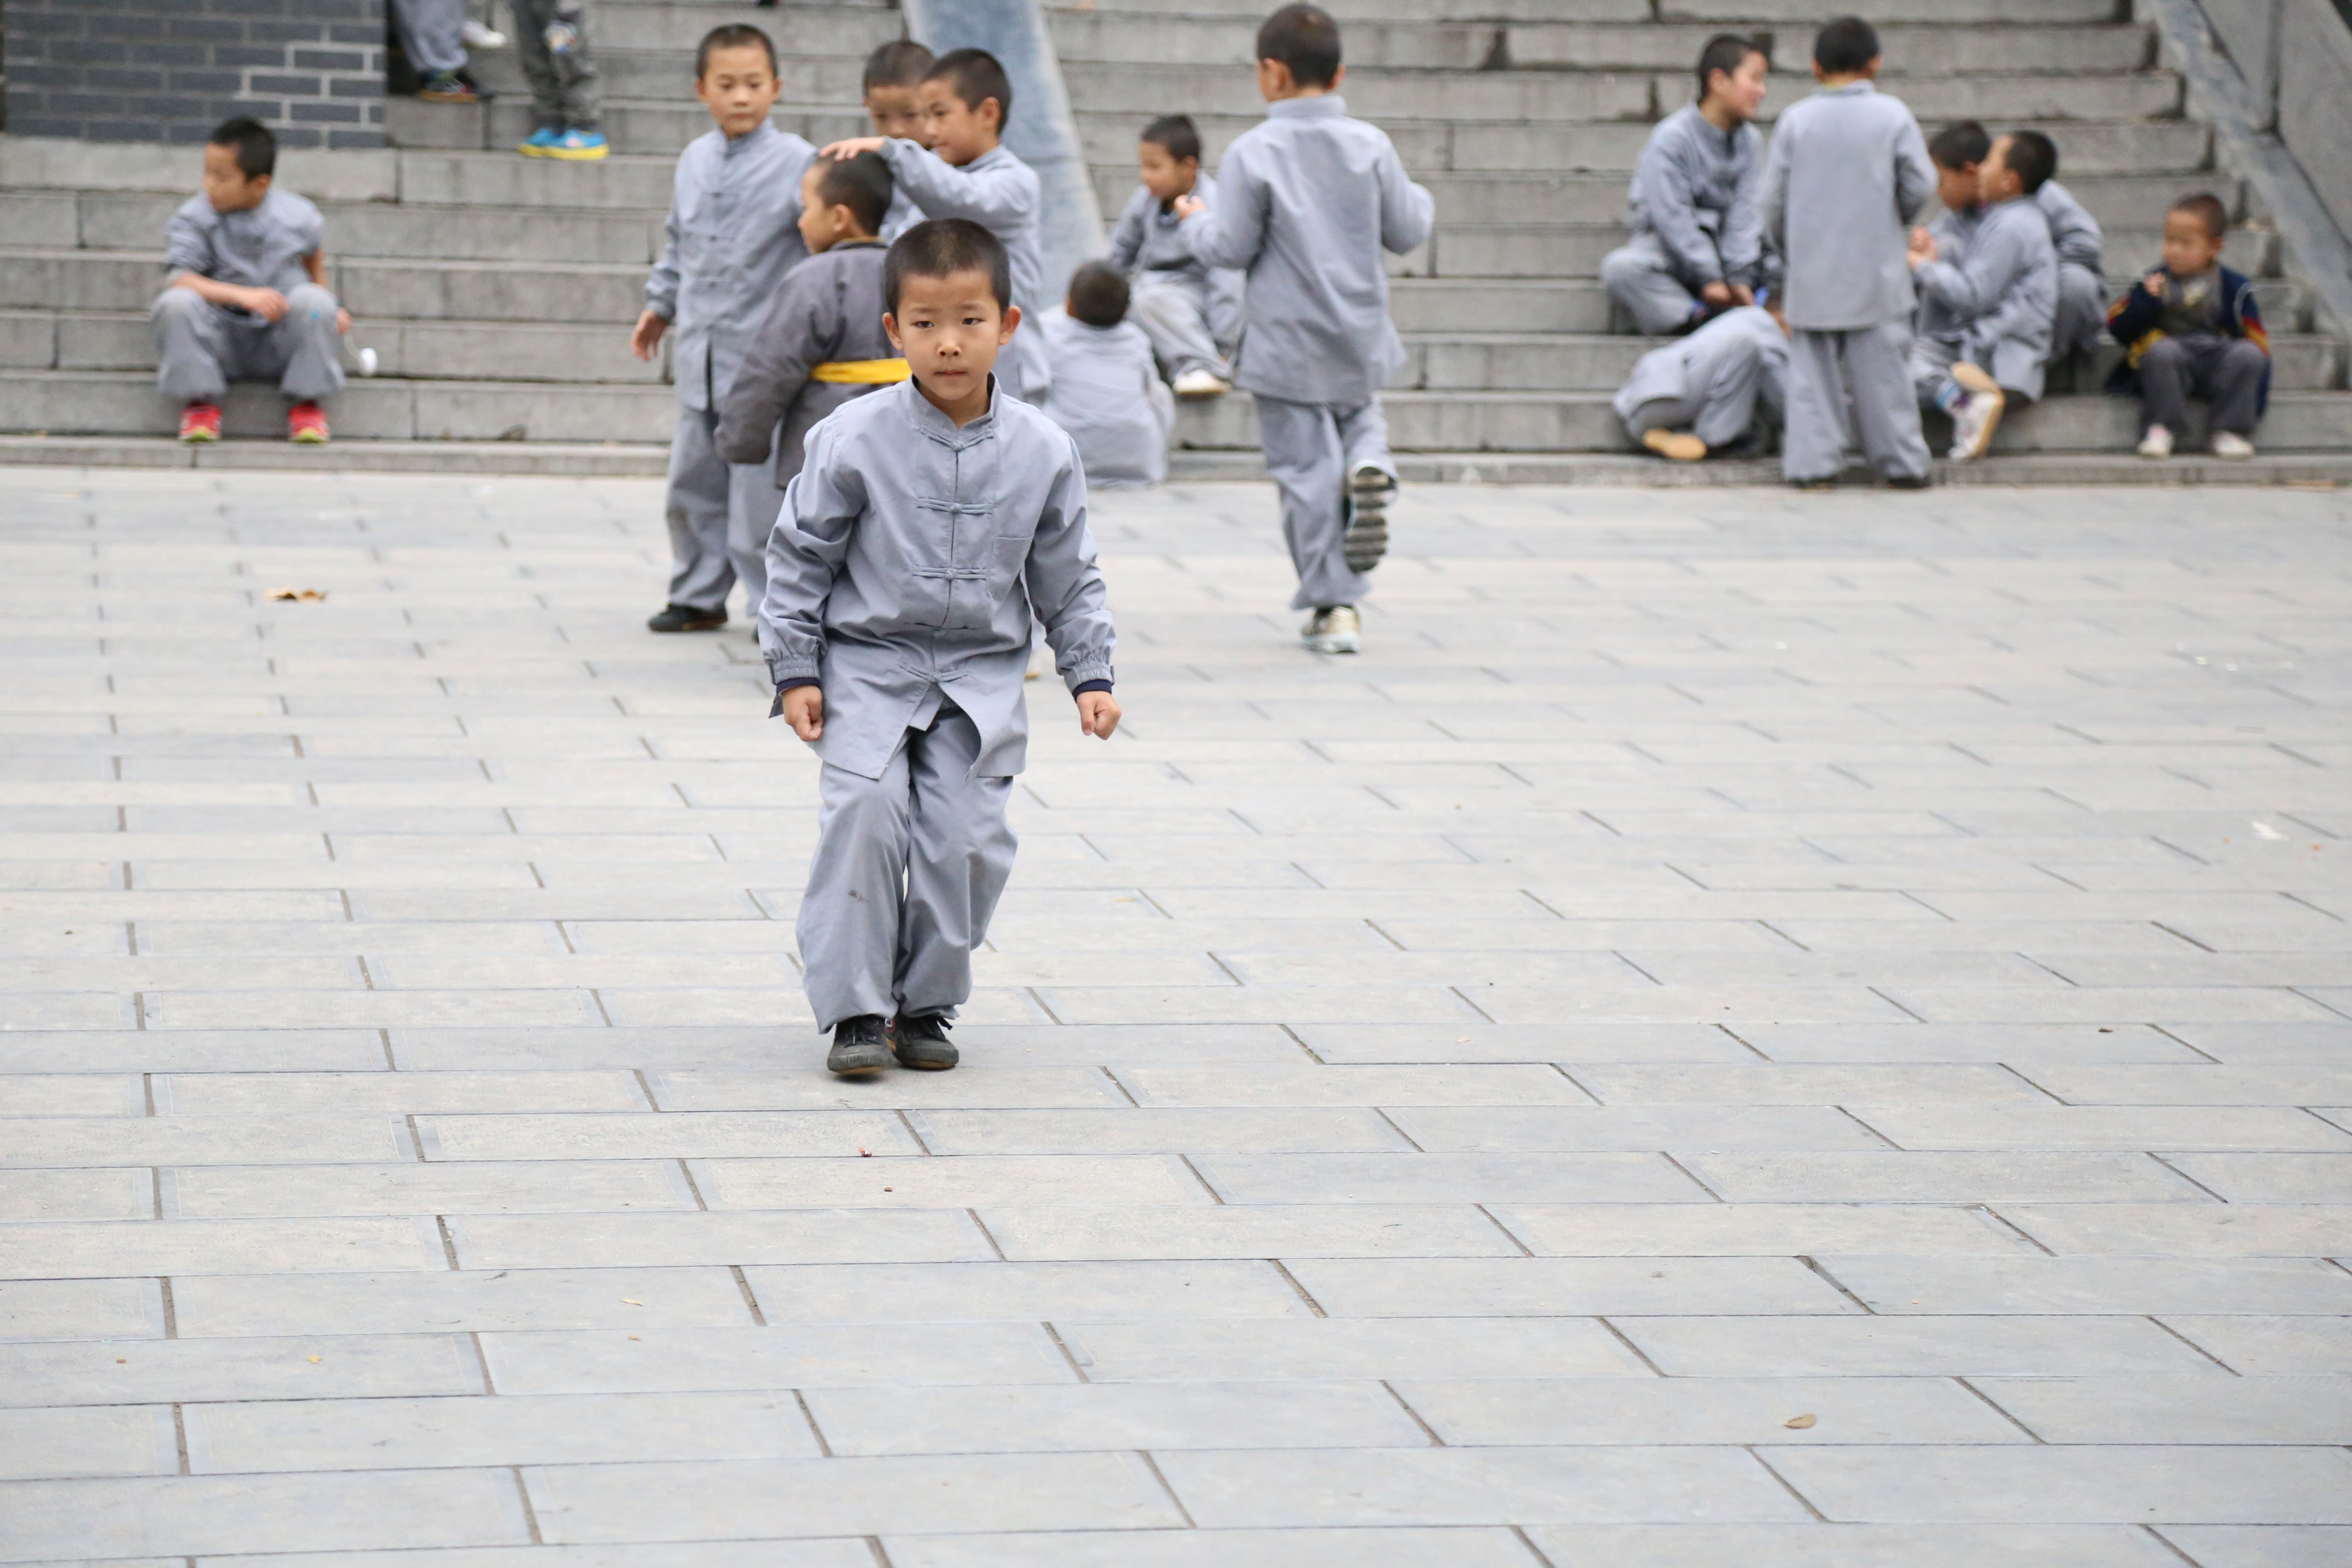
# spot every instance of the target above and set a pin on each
(367, 362)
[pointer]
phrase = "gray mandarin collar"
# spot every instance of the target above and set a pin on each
(1330, 103)
(766, 133)
(926, 418)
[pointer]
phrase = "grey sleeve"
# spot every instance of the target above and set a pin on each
(661, 284)
(1126, 237)
(1232, 231)
(989, 198)
(801, 330)
(1914, 175)
(2074, 231)
(1976, 288)
(811, 539)
(1666, 203)
(187, 248)
(1065, 586)
(1407, 210)
(1743, 228)
(1772, 203)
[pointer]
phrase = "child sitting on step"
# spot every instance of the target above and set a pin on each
(2081, 268)
(247, 297)
(1715, 388)
(2193, 329)
(1192, 313)
(1106, 392)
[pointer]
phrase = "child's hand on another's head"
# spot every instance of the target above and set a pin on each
(853, 146)
(805, 711)
(1187, 205)
(1097, 714)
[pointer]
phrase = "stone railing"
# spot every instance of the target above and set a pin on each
(2296, 57)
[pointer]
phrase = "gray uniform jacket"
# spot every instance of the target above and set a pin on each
(1665, 373)
(830, 307)
(1307, 199)
(261, 248)
(910, 557)
(1696, 188)
(734, 232)
(1107, 393)
(1847, 174)
(1150, 240)
(1955, 235)
(2072, 229)
(1001, 194)
(2004, 294)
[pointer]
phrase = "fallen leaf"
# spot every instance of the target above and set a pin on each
(889, 1189)
(633, 1336)
(1797, 1422)
(122, 1361)
(864, 1155)
(314, 1358)
(626, 1302)
(306, 595)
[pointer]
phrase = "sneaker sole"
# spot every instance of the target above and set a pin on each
(308, 438)
(924, 1062)
(1979, 384)
(1366, 542)
(200, 438)
(1330, 645)
(857, 1065)
(1676, 447)
(528, 150)
(589, 157)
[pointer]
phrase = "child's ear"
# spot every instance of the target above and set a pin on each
(992, 111)
(890, 328)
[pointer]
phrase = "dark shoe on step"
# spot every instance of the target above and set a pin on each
(922, 1042)
(686, 618)
(858, 1045)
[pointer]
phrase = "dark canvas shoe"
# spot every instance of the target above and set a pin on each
(858, 1045)
(922, 1042)
(686, 618)
(1367, 539)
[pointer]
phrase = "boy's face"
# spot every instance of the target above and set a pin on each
(820, 225)
(2188, 247)
(1742, 91)
(1165, 175)
(950, 329)
(896, 112)
(1996, 181)
(739, 87)
(1957, 189)
(959, 131)
(225, 185)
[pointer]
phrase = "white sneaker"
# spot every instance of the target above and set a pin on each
(1974, 421)
(2157, 443)
(2229, 444)
(1200, 383)
(480, 36)
(1336, 630)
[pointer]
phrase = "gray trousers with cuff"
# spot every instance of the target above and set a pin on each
(2082, 311)
(431, 34)
(907, 870)
(1720, 407)
(2228, 370)
(1172, 316)
(1870, 367)
(1310, 450)
(721, 514)
(565, 91)
(1642, 281)
(201, 347)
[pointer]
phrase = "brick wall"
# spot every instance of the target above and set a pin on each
(169, 71)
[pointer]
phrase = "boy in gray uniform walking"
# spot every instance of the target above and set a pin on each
(1192, 313)
(734, 232)
(1309, 198)
(1698, 239)
(930, 522)
(1988, 293)
(1847, 174)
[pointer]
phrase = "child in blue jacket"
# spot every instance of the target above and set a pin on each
(2191, 328)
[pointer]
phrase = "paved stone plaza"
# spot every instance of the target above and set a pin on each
(1747, 1030)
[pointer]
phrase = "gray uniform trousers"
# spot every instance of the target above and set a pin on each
(1171, 315)
(1872, 366)
(1720, 407)
(1310, 450)
(2228, 370)
(201, 347)
(2081, 311)
(1642, 281)
(564, 86)
(431, 34)
(907, 870)
(721, 514)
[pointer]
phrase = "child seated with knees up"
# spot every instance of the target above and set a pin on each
(1718, 387)
(965, 171)
(1988, 282)
(822, 343)
(893, 78)
(1105, 392)
(2081, 267)
(2192, 328)
(1192, 312)
(930, 524)
(247, 297)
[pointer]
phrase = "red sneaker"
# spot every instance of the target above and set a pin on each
(306, 423)
(200, 421)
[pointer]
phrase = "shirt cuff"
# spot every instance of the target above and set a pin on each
(1083, 687)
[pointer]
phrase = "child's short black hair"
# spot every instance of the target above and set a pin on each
(2032, 158)
(1177, 135)
(941, 248)
(257, 148)
(1959, 144)
(862, 185)
(733, 35)
(1099, 294)
(1726, 52)
(1305, 38)
(1845, 45)
(901, 62)
(2206, 208)
(975, 76)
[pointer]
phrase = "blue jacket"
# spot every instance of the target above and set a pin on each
(2137, 320)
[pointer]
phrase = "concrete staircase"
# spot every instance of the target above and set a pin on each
(496, 289)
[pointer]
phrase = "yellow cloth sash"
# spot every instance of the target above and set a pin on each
(861, 371)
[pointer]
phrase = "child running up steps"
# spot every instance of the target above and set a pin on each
(1847, 174)
(1105, 392)
(967, 172)
(734, 232)
(1309, 200)
(2192, 328)
(1698, 240)
(929, 523)
(822, 343)
(1190, 312)
(1988, 281)
(893, 78)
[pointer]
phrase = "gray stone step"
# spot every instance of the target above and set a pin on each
(642, 126)
(385, 409)
(669, 73)
(1733, 14)
(134, 220)
(1150, 89)
(851, 30)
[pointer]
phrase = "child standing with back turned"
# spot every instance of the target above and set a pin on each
(1847, 173)
(1307, 200)
(930, 522)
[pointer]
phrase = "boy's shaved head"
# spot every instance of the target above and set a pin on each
(942, 248)
(2207, 209)
(1724, 52)
(1177, 135)
(1845, 46)
(256, 148)
(1099, 294)
(1305, 38)
(2032, 157)
(975, 76)
(1959, 144)
(733, 35)
(862, 185)
(901, 62)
